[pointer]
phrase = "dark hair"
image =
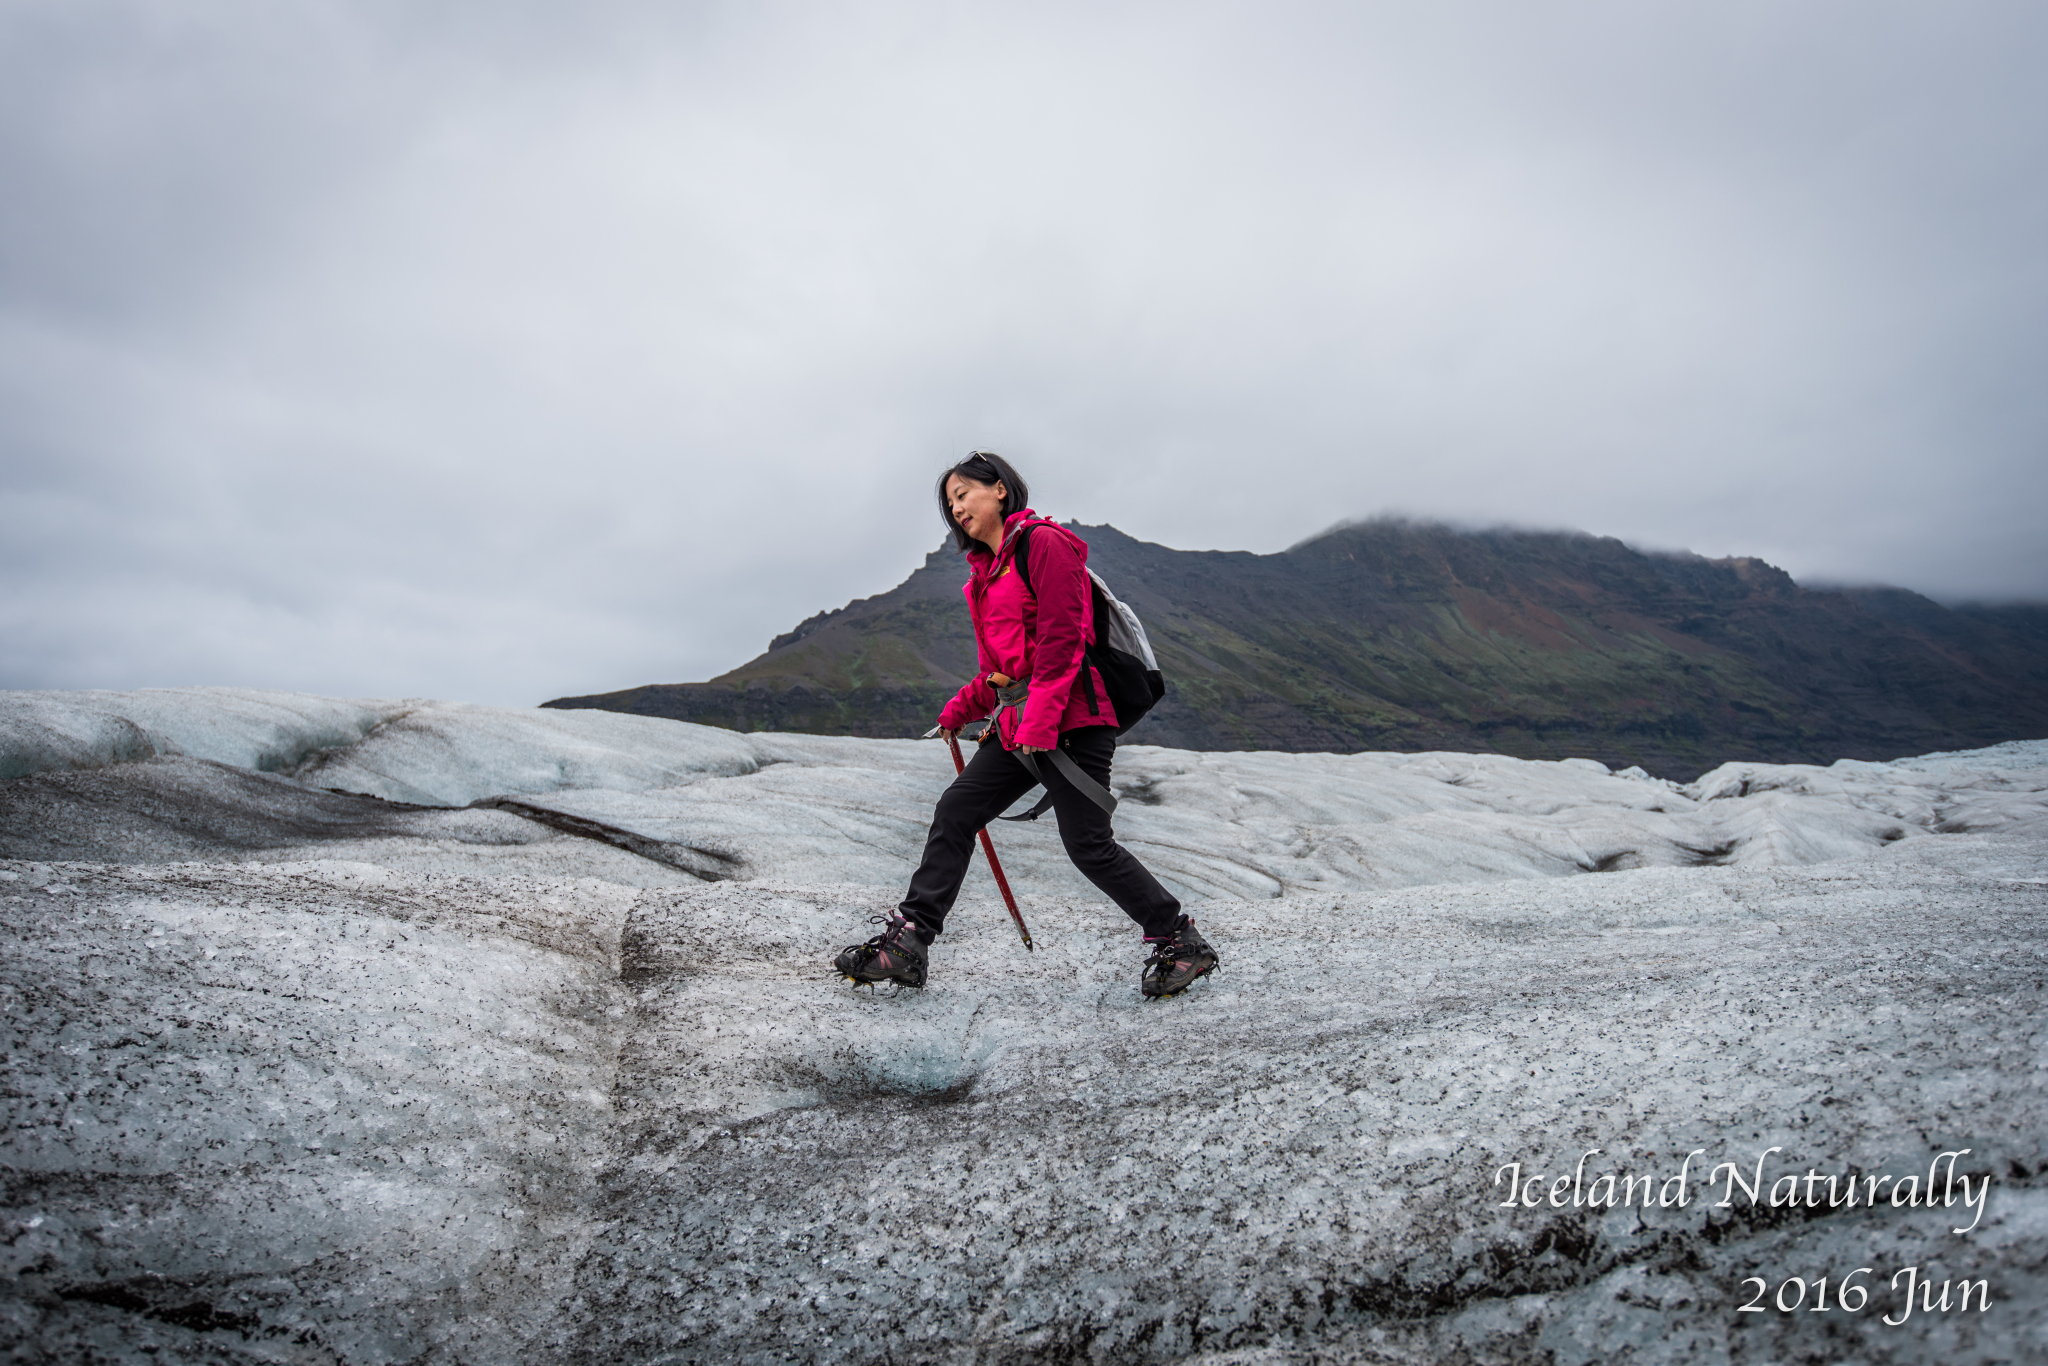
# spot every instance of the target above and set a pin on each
(987, 468)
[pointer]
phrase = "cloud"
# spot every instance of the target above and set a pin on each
(502, 352)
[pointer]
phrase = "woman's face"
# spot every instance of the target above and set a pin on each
(978, 508)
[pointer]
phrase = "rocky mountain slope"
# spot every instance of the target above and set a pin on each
(1404, 636)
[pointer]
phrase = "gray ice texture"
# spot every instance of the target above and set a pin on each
(382, 1032)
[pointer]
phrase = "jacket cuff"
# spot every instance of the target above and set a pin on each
(1036, 733)
(967, 705)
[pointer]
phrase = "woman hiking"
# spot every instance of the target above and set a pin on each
(1031, 636)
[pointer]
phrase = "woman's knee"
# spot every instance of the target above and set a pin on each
(963, 809)
(1090, 844)
(953, 813)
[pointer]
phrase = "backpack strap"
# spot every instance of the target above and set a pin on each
(1021, 561)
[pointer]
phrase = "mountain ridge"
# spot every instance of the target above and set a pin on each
(1395, 634)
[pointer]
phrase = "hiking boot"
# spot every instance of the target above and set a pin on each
(1176, 961)
(894, 955)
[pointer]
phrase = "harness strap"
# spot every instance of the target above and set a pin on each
(1071, 771)
(1012, 698)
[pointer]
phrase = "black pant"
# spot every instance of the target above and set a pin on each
(993, 780)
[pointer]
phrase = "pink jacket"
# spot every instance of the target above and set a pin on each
(1036, 633)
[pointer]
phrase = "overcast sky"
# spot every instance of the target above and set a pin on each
(498, 351)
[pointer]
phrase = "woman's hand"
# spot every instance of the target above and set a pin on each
(1031, 749)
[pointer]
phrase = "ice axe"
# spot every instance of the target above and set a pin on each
(988, 847)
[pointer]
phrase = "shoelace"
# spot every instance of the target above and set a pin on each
(892, 927)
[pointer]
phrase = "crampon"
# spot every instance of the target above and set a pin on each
(896, 955)
(1176, 962)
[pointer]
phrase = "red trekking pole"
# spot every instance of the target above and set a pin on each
(988, 847)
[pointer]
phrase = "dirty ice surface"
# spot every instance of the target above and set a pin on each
(395, 1031)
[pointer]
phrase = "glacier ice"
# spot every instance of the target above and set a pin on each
(294, 1074)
